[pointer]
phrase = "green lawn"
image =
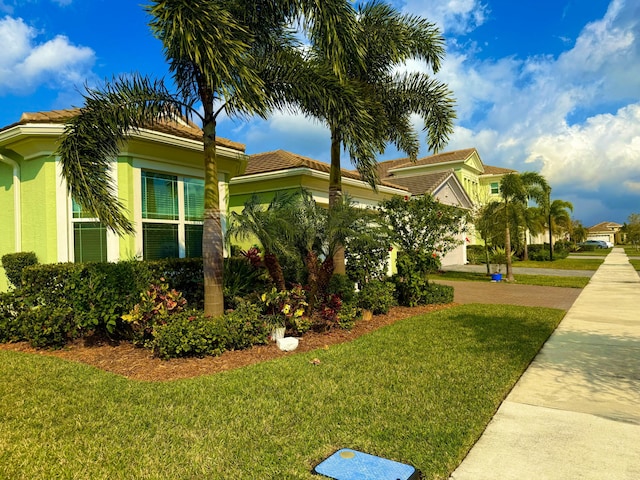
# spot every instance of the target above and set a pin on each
(420, 391)
(563, 264)
(544, 280)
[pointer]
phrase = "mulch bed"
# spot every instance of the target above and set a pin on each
(138, 363)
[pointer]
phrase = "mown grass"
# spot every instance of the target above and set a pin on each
(563, 264)
(543, 280)
(420, 391)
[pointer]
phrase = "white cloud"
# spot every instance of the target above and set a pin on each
(452, 16)
(26, 64)
(605, 151)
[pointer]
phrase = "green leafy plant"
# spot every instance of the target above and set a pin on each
(154, 308)
(12, 305)
(286, 308)
(438, 294)
(49, 326)
(188, 334)
(14, 263)
(377, 296)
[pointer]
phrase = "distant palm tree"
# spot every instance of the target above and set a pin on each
(559, 218)
(234, 56)
(384, 40)
(516, 189)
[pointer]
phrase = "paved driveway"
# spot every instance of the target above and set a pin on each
(512, 294)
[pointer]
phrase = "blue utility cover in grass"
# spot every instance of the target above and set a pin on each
(347, 464)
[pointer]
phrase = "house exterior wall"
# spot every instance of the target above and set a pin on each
(47, 223)
(7, 218)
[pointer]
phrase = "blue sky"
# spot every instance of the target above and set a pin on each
(551, 86)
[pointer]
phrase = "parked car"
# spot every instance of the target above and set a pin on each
(594, 243)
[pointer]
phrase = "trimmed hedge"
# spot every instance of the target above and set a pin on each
(14, 263)
(192, 334)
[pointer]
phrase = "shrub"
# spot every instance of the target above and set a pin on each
(11, 307)
(189, 333)
(245, 327)
(342, 286)
(241, 277)
(437, 294)
(411, 279)
(367, 257)
(377, 296)
(48, 326)
(347, 316)
(99, 293)
(476, 254)
(14, 263)
(154, 308)
(182, 274)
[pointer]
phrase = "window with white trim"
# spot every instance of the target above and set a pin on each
(495, 188)
(89, 236)
(172, 211)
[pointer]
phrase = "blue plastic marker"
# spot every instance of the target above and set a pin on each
(347, 464)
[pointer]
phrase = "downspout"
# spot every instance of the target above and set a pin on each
(16, 200)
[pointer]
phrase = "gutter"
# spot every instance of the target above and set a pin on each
(16, 200)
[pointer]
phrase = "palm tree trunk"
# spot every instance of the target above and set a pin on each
(335, 192)
(312, 279)
(550, 239)
(275, 270)
(212, 243)
(507, 246)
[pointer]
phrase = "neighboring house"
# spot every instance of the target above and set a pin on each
(480, 182)
(606, 231)
(447, 189)
(158, 177)
(457, 178)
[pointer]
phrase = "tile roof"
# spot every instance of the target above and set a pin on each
(446, 157)
(442, 158)
(605, 227)
(421, 184)
(181, 128)
(284, 160)
(489, 170)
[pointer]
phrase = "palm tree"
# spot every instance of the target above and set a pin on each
(538, 190)
(237, 57)
(386, 39)
(270, 226)
(559, 219)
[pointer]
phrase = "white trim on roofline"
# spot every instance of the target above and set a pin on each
(292, 172)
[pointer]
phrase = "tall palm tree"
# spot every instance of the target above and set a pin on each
(234, 56)
(512, 191)
(539, 191)
(385, 40)
(559, 219)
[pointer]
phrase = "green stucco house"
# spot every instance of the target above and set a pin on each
(158, 177)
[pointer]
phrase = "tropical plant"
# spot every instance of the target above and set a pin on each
(422, 224)
(516, 189)
(632, 229)
(384, 40)
(269, 226)
(578, 232)
(236, 57)
(559, 218)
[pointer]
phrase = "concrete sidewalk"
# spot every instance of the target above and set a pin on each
(575, 413)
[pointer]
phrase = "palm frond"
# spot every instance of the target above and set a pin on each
(93, 138)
